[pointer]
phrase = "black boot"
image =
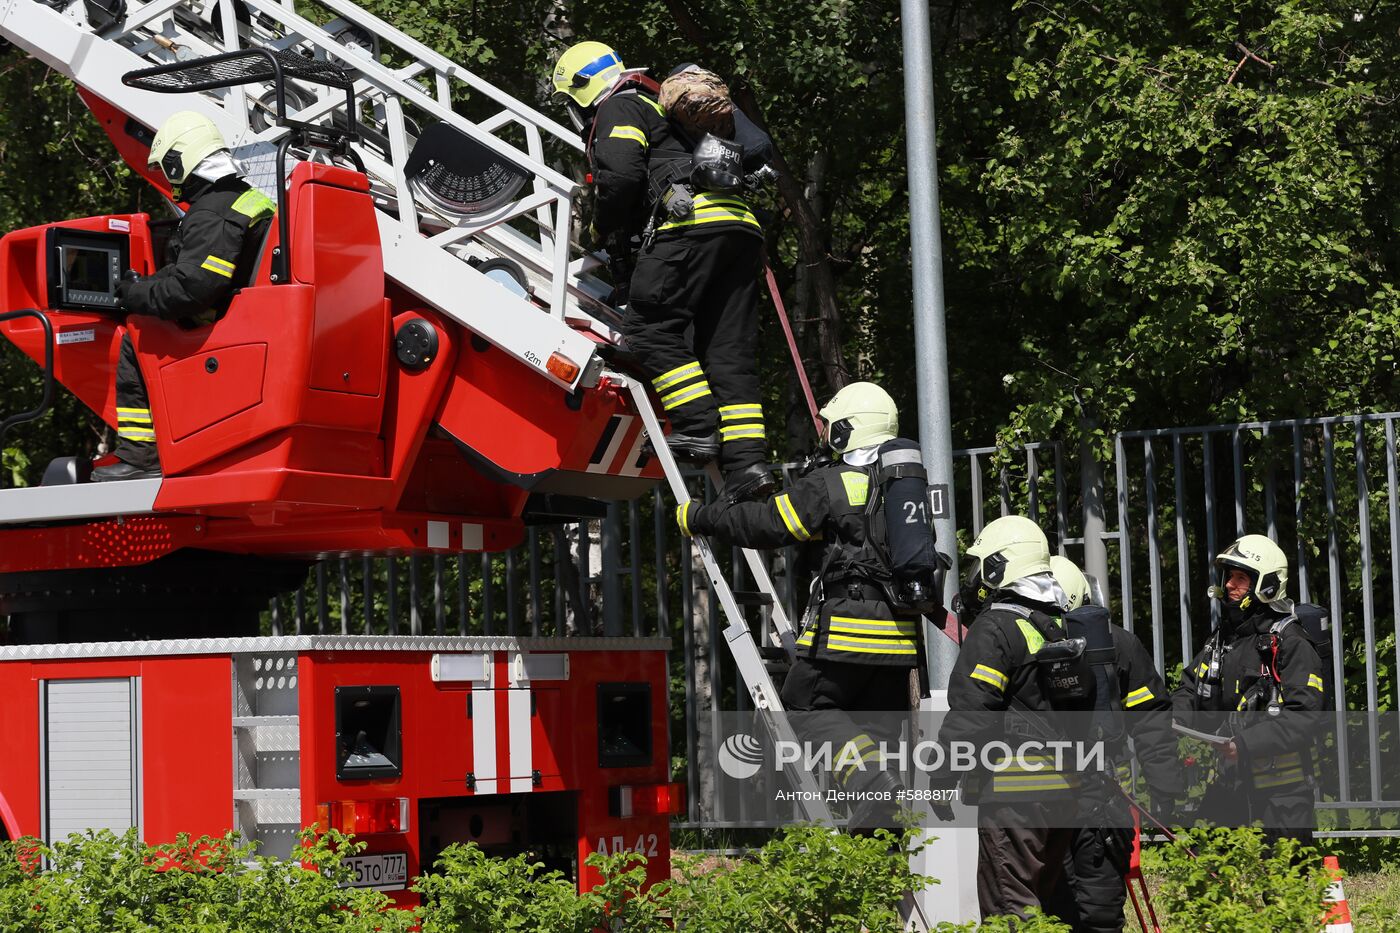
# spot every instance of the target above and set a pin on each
(692, 448)
(751, 482)
(121, 470)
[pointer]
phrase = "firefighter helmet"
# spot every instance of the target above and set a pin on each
(1008, 549)
(860, 415)
(585, 71)
(1263, 562)
(184, 141)
(1072, 581)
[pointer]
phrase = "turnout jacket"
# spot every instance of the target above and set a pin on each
(212, 249)
(633, 141)
(1267, 660)
(996, 693)
(854, 620)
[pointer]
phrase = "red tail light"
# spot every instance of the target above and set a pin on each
(647, 800)
(364, 817)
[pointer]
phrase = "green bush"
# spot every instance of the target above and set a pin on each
(116, 884)
(1237, 882)
(804, 879)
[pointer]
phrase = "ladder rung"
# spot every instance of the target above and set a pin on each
(752, 598)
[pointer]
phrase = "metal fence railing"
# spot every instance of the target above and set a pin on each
(1324, 488)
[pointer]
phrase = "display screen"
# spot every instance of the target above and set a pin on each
(88, 269)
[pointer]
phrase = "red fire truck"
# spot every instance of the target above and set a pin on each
(404, 372)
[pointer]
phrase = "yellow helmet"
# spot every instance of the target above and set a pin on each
(860, 415)
(184, 141)
(1072, 581)
(1008, 549)
(585, 71)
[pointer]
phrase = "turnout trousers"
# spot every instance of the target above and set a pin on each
(136, 434)
(1091, 895)
(1020, 857)
(835, 689)
(692, 321)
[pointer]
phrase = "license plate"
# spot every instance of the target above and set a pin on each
(381, 872)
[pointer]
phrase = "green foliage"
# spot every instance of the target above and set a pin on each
(1237, 882)
(100, 881)
(805, 878)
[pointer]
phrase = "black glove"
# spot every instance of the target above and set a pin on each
(129, 278)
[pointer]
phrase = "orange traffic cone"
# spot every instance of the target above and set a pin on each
(1338, 916)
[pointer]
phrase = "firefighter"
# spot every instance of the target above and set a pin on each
(1256, 674)
(209, 255)
(877, 576)
(692, 300)
(995, 695)
(1127, 699)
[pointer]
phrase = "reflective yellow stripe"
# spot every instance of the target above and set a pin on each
(678, 375)
(1138, 696)
(740, 412)
(989, 675)
(137, 434)
(683, 517)
(1201, 671)
(209, 264)
(1315, 682)
(893, 647)
(255, 204)
(660, 110)
(717, 215)
(629, 132)
(876, 626)
(1292, 776)
(857, 487)
(133, 411)
(788, 513)
(688, 394)
(1021, 783)
(133, 419)
(737, 432)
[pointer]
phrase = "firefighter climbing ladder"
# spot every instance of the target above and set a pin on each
(435, 227)
(431, 236)
(748, 659)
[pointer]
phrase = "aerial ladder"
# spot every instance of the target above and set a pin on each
(482, 395)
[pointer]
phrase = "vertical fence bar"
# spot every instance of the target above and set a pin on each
(663, 595)
(345, 596)
(1183, 556)
(1032, 485)
(367, 592)
(1237, 454)
(301, 609)
(1390, 482)
(692, 705)
(323, 608)
(1004, 490)
(585, 604)
(464, 595)
(512, 596)
(1208, 558)
(439, 598)
(1334, 586)
(610, 571)
(391, 596)
(276, 616)
(1154, 552)
(1061, 497)
(561, 560)
(1368, 612)
(415, 591)
(1270, 494)
(634, 555)
(488, 595)
(1125, 558)
(978, 517)
(1304, 590)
